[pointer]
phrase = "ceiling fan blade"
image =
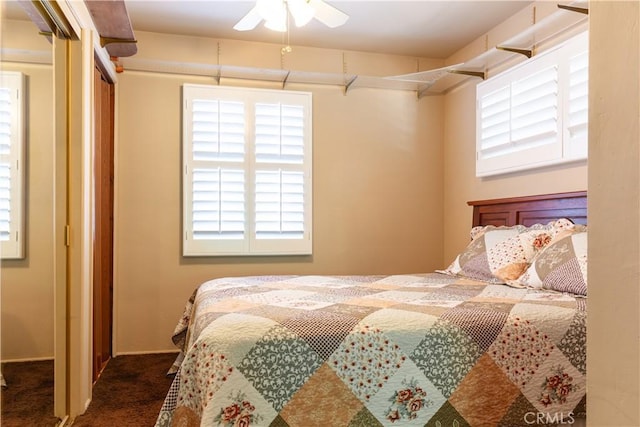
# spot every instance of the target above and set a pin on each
(249, 21)
(327, 14)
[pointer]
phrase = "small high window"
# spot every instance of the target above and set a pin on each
(535, 114)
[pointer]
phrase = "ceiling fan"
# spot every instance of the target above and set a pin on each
(275, 14)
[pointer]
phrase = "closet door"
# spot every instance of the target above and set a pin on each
(103, 243)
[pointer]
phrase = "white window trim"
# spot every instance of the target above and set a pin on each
(565, 148)
(249, 245)
(14, 247)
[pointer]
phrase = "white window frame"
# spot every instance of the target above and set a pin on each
(12, 159)
(249, 243)
(569, 144)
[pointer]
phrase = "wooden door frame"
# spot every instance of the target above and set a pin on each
(104, 227)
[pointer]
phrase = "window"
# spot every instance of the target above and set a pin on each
(247, 171)
(12, 164)
(534, 114)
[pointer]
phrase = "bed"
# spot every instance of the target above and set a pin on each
(444, 348)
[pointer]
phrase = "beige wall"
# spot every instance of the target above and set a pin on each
(613, 350)
(26, 286)
(377, 182)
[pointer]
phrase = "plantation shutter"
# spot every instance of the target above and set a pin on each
(279, 184)
(534, 109)
(524, 114)
(11, 165)
(218, 203)
(495, 122)
(520, 117)
(218, 182)
(578, 105)
(5, 164)
(247, 171)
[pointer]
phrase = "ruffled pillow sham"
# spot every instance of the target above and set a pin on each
(503, 254)
(561, 266)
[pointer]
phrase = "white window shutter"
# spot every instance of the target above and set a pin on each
(5, 163)
(534, 114)
(495, 121)
(279, 133)
(218, 204)
(518, 122)
(279, 204)
(577, 115)
(12, 160)
(534, 106)
(218, 130)
(247, 185)
(279, 193)
(5, 202)
(218, 188)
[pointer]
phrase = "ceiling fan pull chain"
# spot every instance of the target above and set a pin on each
(287, 48)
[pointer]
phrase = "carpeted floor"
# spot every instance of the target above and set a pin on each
(28, 398)
(129, 392)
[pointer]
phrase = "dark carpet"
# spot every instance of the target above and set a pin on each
(28, 398)
(129, 392)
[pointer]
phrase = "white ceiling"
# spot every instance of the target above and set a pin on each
(424, 28)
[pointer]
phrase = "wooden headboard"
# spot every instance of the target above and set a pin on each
(530, 210)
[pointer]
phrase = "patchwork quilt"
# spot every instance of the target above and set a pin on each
(405, 350)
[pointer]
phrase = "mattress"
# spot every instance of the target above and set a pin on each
(412, 350)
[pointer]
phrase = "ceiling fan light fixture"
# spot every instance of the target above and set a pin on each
(301, 11)
(275, 13)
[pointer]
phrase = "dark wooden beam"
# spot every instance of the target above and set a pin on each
(114, 26)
